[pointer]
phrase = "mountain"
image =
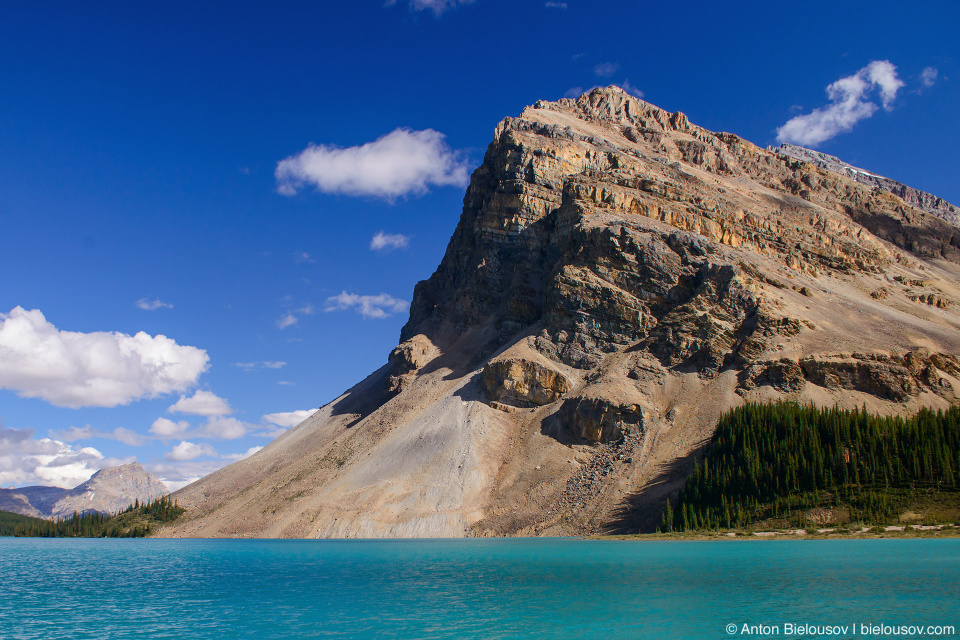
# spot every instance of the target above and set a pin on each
(618, 279)
(108, 491)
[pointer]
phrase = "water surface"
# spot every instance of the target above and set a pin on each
(500, 588)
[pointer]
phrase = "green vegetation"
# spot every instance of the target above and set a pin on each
(785, 465)
(135, 522)
(9, 522)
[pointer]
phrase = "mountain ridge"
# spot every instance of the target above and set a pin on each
(107, 491)
(619, 277)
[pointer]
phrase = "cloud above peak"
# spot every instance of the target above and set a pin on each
(380, 306)
(98, 369)
(386, 241)
(851, 100)
(401, 163)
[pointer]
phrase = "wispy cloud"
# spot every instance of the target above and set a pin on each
(302, 257)
(850, 102)
(201, 403)
(288, 418)
(379, 306)
(387, 241)
(632, 90)
(556, 5)
(400, 163)
(120, 434)
(251, 366)
(290, 318)
(233, 457)
(152, 305)
(929, 76)
(99, 369)
(437, 6)
(605, 69)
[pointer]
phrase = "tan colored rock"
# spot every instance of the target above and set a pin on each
(523, 383)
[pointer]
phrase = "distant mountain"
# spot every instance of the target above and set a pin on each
(107, 491)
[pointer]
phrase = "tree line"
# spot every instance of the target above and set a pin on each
(777, 460)
(136, 521)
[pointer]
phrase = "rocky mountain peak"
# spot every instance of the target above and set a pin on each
(618, 278)
(108, 491)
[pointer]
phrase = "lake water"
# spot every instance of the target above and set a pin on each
(501, 588)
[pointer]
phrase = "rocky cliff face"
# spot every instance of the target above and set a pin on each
(108, 491)
(619, 278)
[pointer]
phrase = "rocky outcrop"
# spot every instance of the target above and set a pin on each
(408, 358)
(598, 420)
(892, 377)
(108, 491)
(523, 383)
(619, 278)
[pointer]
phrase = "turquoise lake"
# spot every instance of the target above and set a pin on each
(500, 588)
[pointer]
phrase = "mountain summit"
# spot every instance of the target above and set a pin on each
(107, 491)
(619, 277)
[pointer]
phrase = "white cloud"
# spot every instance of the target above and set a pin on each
(379, 306)
(849, 104)
(287, 320)
(387, 241)
(25, 460)
(188, 451)
(100, 369)
(556, 5)
(220, 428)
(282, 421)
(289, 418)
(632, 90)
(250, 366)
(929, 76)
(152, 305)
(201, 403)
(399, 163)
(168, 429)
(291, 318)
(606, 69)
(285, 383)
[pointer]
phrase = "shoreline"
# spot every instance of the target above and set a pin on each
(896, 532)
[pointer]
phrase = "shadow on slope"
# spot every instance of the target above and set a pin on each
(640, 512)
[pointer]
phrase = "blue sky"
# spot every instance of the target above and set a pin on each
(215, 176)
